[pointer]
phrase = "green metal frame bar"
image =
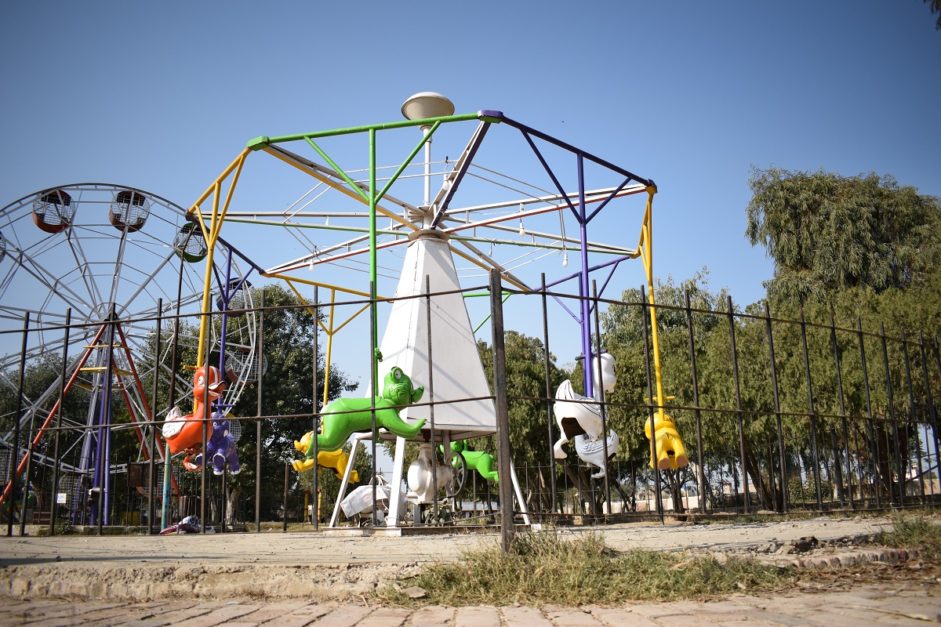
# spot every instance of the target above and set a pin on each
(373, 201)
(506, 297)
(340, 172)
(408, 160)
(262, 140)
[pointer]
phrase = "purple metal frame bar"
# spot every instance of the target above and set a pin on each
(608, 280)
(586, 307)
(558, 142)
(583, 283)
(226, 293)
(243, 257)
(552, 176)
(227, 290)
(101, 478)
(591, 269)
(608, 199)
(566, 308)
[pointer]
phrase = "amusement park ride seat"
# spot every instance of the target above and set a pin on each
(53, 211)
(129, 211)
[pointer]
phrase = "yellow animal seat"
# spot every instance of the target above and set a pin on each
(337, 460)
(671, 454)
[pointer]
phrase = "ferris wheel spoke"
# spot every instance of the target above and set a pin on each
(118, 267)
(147, 281)
(54, 285)
(8, 279)
(83, 267)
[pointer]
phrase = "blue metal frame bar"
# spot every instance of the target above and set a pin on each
(558, 142)
(608, 199)
(242, 256)
(592, 269)
(583, 284)
(551, 174)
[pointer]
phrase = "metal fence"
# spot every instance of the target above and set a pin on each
(777, 414)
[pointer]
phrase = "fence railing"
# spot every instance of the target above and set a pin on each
(777, 413)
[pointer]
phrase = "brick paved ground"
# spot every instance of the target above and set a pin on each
(212, 580)
(896, 603)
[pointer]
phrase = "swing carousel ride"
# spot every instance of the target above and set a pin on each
(357, 219)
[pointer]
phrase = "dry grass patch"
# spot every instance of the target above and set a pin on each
(545, 568)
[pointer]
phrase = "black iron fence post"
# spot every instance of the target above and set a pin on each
(54, 506)
(875, 471)
(315, 410)
(207, 412)
(431, 407)
(151, 466)
(259, 391)
(782, 458)
(738, 404)
(600, 391)
(104, 426)
(932, 412)
(547, 357)
(890, 398)
(373, 391)
(658, 497)
(912, 420)
(284, 498)
(838, 364)
(694, 372)
(811, 411)
(502, 410)
(15, 456)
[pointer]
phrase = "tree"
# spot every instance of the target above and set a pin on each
(623, 336)
(860, 251)
(288, 396)
(935, 6)
(827, 233)
(526, 392)
(39, 375)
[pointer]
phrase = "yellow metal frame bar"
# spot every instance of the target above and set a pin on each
(330, 329)
(328, 286)
(343, 189)
(211, 234)
(645, 249)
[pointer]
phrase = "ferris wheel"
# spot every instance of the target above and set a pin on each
(116, 263)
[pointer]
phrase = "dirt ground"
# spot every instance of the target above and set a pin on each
(331, 565)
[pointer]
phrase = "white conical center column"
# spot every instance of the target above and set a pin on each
(457, 370)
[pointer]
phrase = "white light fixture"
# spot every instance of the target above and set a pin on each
(427, 104)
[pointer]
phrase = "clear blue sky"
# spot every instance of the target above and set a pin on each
(162, 95)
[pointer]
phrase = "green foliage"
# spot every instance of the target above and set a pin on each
(526, 392)
(39, 376)
(528, 410)
(544, 568)
(935, 6)
(827, 232)
(287, 395)
(915, 533)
